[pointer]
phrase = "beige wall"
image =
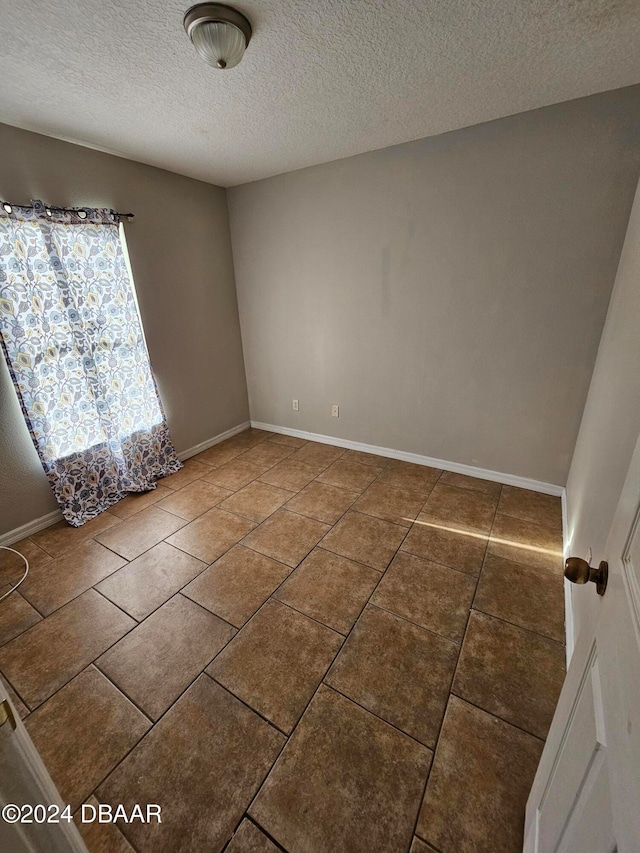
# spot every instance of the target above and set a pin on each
(610, 425)
(181, 259)
(449, 293)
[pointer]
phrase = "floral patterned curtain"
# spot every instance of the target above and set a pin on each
(73, 341)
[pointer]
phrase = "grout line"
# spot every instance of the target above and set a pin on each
(429, 843)
(39, 612)
(498, 717)
(264, 831)
(378, 717)
(528, 566)
(121, 609)
(515, 625)
(455, 670)
(206, 610)
(158, 606)
(321, 683)
(124, 693)
(78, 594)
(444, 565)
(456, 643)
(245, 703)
(479, 575)
(307, 616)
(437, 736)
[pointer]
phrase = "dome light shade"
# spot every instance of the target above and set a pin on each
(219, 33)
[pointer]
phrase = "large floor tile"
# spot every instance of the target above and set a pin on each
(314, 453)
(48, 655)
(256, 501)
(462, 551)
(286, 536)
(526, 542)
(222, 453)
(366, 458)
(326, 503)
(190, 471)
(511, 673)
(83, 732)
(276, 662)
(531, 506)
(479, 784)
(137, 501)
(530, 598)
(250, 437)
(463, 481)
(66, 577)
(460, 509)
(398, 671)
(406, 475)
(288, 440)
(237, 584)
(16, 615)
(142, 531)
(345, 781)
(102, 837)
(348, 474)
(203, 763)
(249, 839)
(433, 596)
(11, 563)
(329, 588)
(365, 539)
(158, 660)
(194, 499)
(61, 537)
(391, 503)
(235, 474)
(267, 453)
(143, 585)
(209, 536)
(291, 475)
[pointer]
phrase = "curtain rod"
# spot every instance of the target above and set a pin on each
(128, 216)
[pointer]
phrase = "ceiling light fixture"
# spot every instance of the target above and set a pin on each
(219, 33)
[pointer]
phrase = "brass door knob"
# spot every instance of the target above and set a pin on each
(578, 570)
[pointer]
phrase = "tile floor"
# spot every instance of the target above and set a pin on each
(290, 646)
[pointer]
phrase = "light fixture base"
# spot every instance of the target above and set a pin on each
(216, 13)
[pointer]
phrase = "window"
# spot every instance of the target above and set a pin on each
(73, 341)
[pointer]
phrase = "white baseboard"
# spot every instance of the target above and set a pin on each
(417, 459)
(30, 527)
(50, 518)
(205, 445)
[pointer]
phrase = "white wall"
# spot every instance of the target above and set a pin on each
(449, 293)
(610, 425)
(180, 252)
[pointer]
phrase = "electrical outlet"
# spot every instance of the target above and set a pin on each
(295, 405)
(335, 411)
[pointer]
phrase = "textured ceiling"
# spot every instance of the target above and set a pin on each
(322, 79)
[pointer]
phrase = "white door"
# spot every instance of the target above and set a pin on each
(586, 794)
(25, 784)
